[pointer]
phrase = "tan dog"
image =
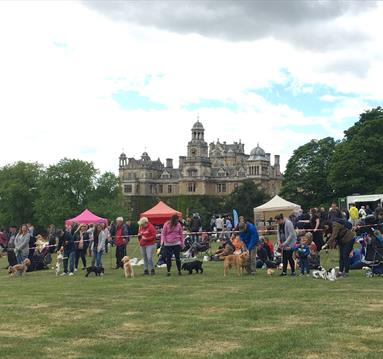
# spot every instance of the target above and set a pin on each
(128, 269)
(270, 272)
(239, 261)
(19, 268)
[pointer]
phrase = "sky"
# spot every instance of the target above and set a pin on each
(90, 79)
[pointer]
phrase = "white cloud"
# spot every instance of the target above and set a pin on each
(61, 63)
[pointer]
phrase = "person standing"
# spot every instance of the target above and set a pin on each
(81, 239)
(315, 224)
(66, 245)
(195, 227)
(173, 241)
(354, 214)
(286, 240)
(120, 235)
(249, 236)
(98, 244)
(334, 212)
(147, 239)
(219, 223)
(11, 255)
(339, 234)
(362, 213)
(22, 244)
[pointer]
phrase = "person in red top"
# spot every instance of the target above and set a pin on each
(120, 234)
(147, 239)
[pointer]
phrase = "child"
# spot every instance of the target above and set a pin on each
(303, 252)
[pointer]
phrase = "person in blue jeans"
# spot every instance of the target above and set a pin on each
(303, 252)
(67, 246)
(98, 245)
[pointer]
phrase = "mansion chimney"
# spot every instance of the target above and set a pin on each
(169, 163)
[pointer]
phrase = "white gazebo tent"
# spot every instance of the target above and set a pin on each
(275, 206)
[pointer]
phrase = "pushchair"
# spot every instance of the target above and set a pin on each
(199, 247)
(40, 260)
(374, 257)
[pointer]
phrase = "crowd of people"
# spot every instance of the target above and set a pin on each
(300, 239)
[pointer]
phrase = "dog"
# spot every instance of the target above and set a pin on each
(98, 271)
(238, 261)
(330, 274)
(128, 269)
(19, 269)
(194, 265)
(270, 272)
(59, 263)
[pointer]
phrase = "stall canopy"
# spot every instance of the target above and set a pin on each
(86, 217)
(275, 206)
(160, 213)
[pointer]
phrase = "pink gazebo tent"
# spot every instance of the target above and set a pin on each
(86, 217)
(160, 213)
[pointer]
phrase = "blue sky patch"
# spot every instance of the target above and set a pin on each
(132, 100)
(211, 103)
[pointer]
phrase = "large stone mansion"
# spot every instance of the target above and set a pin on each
(215, 169)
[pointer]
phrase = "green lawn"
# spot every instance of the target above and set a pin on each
(198, 316)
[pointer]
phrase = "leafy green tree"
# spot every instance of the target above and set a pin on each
(305, 179)
(19, 185)
(357, 165)
(107, 199)
(65, 190)
(245, 197)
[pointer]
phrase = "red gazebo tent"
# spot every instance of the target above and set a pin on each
(86, 217)
(160, 213)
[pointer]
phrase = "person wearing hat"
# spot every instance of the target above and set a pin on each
(249, 236)
(147, 239)
(120, 234)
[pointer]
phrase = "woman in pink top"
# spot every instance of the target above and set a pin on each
(173, 241)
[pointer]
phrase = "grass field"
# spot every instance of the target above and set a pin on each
(198, 316)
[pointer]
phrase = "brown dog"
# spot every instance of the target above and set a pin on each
(239, 261)
(128, 269)
(19, 268)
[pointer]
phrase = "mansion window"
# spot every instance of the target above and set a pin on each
(192, 173)
(160, 188)
(254, 170)
(221, 187)
(128, 188)
(191, 187)
(170, 189)
(152, 189)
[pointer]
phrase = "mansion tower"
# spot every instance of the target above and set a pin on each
(214, 169)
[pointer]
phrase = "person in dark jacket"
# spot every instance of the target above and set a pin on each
(81, 239)
(195, 227)
(67, 246)
(120, 235)
(339, 234)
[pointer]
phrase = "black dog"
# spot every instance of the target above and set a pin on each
(96, 270)
(196, 265)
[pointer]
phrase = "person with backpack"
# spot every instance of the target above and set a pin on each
(340, 233)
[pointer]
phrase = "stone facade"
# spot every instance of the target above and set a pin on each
(215, 169)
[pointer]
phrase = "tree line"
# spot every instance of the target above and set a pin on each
(324, 170)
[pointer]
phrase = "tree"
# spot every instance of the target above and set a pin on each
(305, 179)
(65, 190)
(19, 185)
(107, 199)
(357, 165)
(245, 197)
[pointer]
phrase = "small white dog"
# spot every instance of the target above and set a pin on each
(322, 273)
(59, 263)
